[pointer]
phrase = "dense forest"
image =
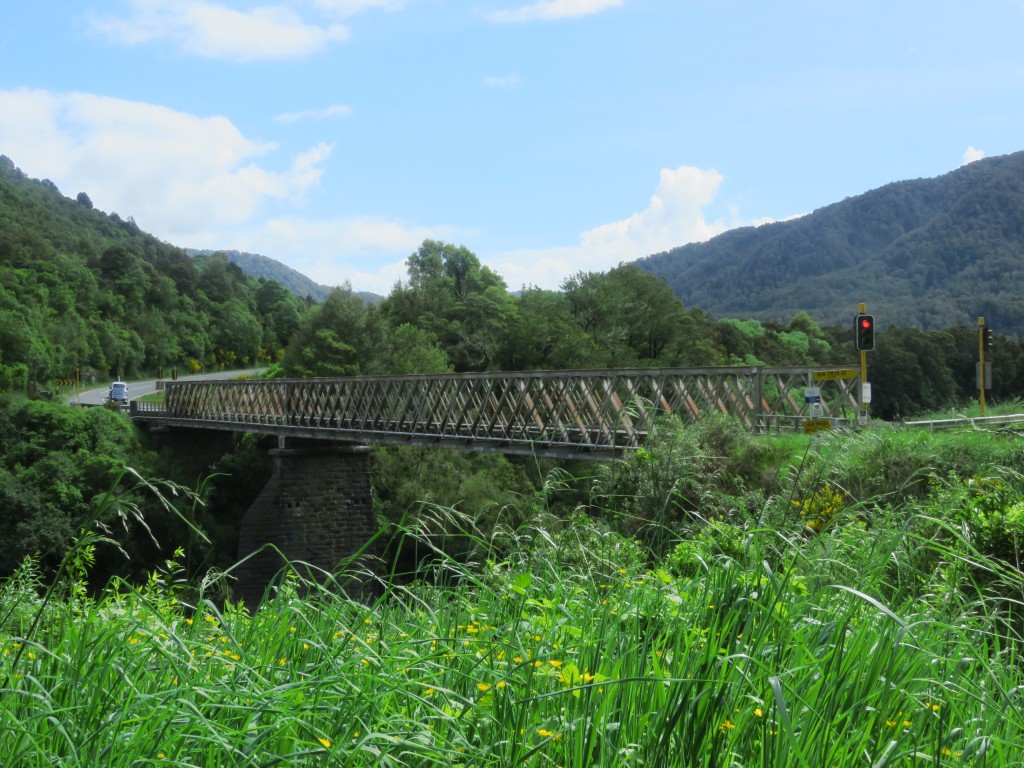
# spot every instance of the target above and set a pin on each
(87, 291)
(927, 253)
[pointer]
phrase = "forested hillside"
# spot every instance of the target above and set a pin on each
(86, 290)
(929, 253)
(257, 265)
(89, 291)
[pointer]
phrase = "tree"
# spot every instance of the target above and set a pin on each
(281, 311)
(540, 334)
(54, 462)
(912, 373)
(217, 279)
(236, 332)
(451, 295)
(631, 315)
(410, 350)
(337, 338)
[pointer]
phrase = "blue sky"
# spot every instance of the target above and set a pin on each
(547, 136)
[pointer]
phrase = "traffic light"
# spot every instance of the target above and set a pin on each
(986, 337)
(864, 332)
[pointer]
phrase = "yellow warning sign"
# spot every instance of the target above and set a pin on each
(816, 425)
(844, 373)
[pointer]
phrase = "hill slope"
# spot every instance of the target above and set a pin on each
(256, 265)
(929, 253)
(87, 292)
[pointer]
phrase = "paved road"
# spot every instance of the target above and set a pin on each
(140, 388)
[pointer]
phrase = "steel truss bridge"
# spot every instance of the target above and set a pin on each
(571, 414)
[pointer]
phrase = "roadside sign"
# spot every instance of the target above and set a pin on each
(811, 426)
(845, 373)
(862, 418)
(812, 394)
(988, 374)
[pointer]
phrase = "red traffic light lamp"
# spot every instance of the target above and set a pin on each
(864, 332)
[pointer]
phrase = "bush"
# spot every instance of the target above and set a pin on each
(714, 541)
(686, 475)
(992, 515)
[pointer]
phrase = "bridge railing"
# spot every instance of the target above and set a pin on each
(581, 412)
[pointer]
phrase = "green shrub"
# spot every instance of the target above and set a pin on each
(716, 540)
(993, 518)
(687, 474)
(588, 545)
(21, 598)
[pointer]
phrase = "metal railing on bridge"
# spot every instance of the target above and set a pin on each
(580, 413)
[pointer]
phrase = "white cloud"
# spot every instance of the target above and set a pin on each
(674, 217)
(501, 81)
(971, 155)
(198, 182)
(179, 176)
(547, 10)
(352, 7)
(347, 248)
(209, 30)
(335, 110)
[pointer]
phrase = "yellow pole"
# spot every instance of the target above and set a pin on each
(981, 363)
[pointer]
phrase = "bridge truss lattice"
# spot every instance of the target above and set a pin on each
(574, 414)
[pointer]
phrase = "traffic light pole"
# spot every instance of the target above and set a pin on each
(863, 367)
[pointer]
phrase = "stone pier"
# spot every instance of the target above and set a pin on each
(316, 510)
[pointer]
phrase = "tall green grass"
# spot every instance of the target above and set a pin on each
(537, 659)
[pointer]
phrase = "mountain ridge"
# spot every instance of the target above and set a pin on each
(929, 253)
(257, 265)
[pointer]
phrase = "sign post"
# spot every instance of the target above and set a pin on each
(984, 380)
(814, 423)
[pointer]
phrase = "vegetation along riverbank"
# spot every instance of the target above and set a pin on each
(717, 600)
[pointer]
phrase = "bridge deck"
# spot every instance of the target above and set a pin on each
(575, 414)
